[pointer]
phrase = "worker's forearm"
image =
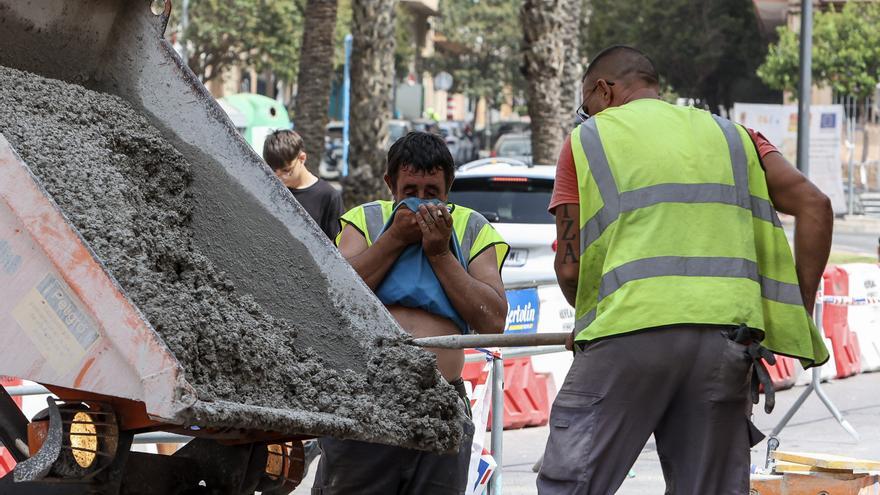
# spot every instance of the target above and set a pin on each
(479, 304)
(567, 272)
(373, 264)
(569, 290)
(812, 243)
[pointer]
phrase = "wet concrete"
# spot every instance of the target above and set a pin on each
(128, 192)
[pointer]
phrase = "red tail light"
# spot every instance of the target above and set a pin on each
(510, 179)
(555, 245)
(493, 154)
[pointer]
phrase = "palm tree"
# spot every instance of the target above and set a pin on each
(372, 73)
(315, 78)
(544, 56)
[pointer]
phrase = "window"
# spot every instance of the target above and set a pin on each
(506, 199)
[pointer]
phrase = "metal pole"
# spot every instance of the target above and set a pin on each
(514, 353)
(495, 484)
(804, 87)
(497, 340)
(184, 25)
(346, 104)
(816, 385)
(851, 145)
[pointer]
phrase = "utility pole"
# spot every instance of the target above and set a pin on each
(184, 24)
(805, 87)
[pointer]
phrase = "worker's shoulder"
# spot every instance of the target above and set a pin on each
(379, 203)
(473, 217)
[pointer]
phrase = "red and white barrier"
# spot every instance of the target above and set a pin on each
(836, 324)
(481, 464)
(861, 310)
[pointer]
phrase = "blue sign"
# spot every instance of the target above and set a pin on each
(522, 311)
(828, 121)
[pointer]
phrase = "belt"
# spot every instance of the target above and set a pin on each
(758, 354)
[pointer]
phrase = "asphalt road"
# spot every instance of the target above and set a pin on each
(812, 429)
(856, 242)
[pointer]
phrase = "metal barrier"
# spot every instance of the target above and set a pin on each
(496, 437)
(815, 384)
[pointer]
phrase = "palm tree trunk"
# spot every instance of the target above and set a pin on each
(544, 58)
(574, 65)
(372, 73)
(315, 78)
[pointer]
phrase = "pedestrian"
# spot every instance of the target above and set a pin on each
(283, 151)
(671, 252)
(437, 268)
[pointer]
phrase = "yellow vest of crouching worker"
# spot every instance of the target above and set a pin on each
(475, 233)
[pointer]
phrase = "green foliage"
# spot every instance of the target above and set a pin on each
(702, 49)
(482, 51)
(846, 52)
(263, 34)
(404, 48)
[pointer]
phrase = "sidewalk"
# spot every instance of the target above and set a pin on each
(849, 224)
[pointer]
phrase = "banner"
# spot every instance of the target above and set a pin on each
(778, 123)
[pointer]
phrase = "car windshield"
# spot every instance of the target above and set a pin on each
(517, 147)
(505, 199)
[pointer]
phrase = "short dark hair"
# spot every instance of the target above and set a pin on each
(623, 62)
(282, 147)
(422, 151)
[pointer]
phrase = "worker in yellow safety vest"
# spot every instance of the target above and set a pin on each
(436, 266)
(671, 252)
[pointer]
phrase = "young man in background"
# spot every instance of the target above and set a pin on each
(283, 151)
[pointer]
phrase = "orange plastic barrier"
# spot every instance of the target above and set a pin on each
(844, 343)
(526, 395)
(783, 374)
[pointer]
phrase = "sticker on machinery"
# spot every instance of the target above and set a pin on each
(56, 323)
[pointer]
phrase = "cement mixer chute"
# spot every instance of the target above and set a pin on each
(102, 352)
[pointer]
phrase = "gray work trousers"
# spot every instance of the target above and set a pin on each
(689, 386)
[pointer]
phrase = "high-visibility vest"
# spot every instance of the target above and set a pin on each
(475, 233)
(677, 227)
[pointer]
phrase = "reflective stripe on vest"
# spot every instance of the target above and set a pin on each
(615, 203)
(375, 220)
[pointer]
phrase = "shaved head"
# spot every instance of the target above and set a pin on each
(625, 64)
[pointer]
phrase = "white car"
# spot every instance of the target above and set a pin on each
(514, 196)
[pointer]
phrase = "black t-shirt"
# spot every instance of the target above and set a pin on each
(324, 204)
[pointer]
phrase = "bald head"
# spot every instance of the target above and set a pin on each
(624, 65)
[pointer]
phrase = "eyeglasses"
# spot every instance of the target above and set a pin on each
(581, 111)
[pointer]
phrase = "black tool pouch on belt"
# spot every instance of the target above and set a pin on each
(758, 354)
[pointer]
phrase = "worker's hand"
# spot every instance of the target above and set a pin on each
(436, 224)
(405, 227)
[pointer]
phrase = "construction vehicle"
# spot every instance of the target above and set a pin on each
(126, 380)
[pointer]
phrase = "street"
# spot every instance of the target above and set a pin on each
(812, 429)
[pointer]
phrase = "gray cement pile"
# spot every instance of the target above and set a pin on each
(127, 192)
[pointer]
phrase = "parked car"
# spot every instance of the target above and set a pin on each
(426, 125)
(460, 144)
(396, 130)
(496, 130)
(516, 146)
(514, 196)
